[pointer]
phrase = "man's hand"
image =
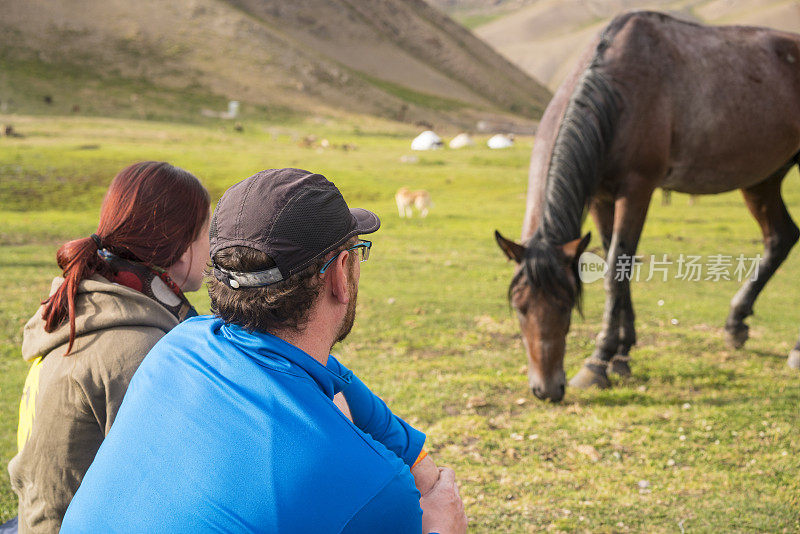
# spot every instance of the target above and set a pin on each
(442, 509)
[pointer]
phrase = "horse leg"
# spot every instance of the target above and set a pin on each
(780, 234)
(594, 371)
(617, 334)
(621, 361)
(602, 211)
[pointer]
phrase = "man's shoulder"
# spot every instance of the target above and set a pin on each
(192, 335)
(196, 324)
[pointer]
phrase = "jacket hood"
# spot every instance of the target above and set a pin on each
(99, 304)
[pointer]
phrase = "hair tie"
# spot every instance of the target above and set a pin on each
(97, 241)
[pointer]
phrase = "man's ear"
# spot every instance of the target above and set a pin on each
(573, 249)
(340, 277)
(513, 250)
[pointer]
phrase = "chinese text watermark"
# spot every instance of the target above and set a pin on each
(686, 267)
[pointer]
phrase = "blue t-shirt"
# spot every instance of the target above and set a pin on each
(227, 430)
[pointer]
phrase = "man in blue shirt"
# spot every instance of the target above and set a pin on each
(243, 421)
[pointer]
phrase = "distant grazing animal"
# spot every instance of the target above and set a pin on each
(407, 199)
(655, 102)
(11, 132)
(666, 198)
(307, 141)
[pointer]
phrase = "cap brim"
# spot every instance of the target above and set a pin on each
(366, 221)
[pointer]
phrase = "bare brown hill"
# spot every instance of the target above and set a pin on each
(393, 58)
(545, 37)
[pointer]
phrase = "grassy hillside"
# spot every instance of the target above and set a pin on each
(546, 37)
(700, 439)
(158, 59)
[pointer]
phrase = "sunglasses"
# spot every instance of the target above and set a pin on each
(363, 246)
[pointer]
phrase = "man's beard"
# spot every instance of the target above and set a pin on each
(350, 314)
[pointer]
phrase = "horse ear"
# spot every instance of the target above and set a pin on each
(513, 250)
(576, 247)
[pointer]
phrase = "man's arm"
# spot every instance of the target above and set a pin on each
(394, 509)
(371, 415)
(443, 510)
(424, 471)
(341, 403)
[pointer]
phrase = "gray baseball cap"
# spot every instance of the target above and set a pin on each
(293, 216)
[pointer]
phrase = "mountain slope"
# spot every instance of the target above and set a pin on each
(546, 37)
(395, 58)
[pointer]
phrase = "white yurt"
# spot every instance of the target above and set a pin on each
(461, 140)
(500, 141)
(427, 140)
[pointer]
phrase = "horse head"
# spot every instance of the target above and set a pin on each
(543, 292)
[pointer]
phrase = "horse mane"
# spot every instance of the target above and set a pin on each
(542, 269)
(579, 153)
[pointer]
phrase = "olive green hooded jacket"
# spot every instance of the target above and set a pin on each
(69, 402)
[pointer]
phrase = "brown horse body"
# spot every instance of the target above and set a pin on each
(656, 102)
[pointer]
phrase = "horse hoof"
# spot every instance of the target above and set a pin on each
(620, 365)
(590, 375)
(736, 337)
(794, 359)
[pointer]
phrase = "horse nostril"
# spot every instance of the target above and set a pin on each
(538, 393)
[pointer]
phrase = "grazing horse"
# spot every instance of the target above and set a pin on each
(655, 102)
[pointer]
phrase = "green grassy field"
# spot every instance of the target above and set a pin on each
(701, 439)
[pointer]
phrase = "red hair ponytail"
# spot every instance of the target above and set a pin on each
(151, 213)
(78, 260)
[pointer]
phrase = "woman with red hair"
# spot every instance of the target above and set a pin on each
(121, 290)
